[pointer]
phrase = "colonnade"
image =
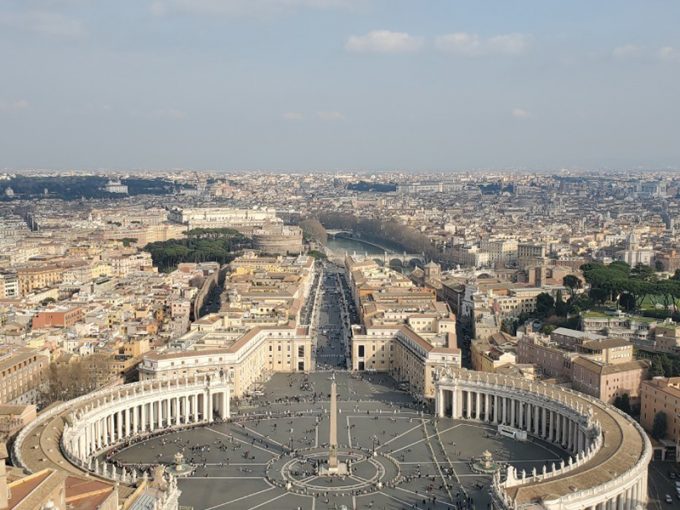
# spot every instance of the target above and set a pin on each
(577, 423)
(563, 427)
(143, 408)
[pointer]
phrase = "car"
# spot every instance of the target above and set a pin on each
(671, 474)
(669, 499)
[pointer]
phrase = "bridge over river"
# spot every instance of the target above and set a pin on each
(342, 241)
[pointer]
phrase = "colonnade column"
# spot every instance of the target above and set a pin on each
(224, 412)
(487, 406)
(537, 411)
(512, 412)
(478, 405)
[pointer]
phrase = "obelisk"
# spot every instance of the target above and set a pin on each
(333, 441)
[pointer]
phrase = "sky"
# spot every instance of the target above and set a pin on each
(304, 85)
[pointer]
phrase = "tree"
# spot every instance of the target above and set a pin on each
(561, 308)
(313, 229)
(572, 282)
(657, 368)
(658, 266)
(660, 425)
(643, 272)
(622, 402)
(545, 305)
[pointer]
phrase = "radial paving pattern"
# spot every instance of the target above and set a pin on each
(277, 440)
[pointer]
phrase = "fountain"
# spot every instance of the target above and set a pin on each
(180, 468)
(485, 464)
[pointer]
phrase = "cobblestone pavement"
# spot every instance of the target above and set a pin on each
(432, 456)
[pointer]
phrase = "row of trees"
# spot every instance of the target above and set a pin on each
(201, 245)
(66, 381)
(629, 287)
(662, 364)
(393, 233)
(313, 230)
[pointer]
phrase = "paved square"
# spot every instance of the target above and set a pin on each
(240, 465)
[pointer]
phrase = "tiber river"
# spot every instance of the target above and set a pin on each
(340, 245)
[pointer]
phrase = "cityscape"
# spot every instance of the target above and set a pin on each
(403, 289)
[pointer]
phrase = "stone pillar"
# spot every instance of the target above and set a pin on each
(119, 424)
(196, 407)
(505, 410)
(537, 424)
(478, 408)
(440, 402)
(135, 419)
(468, 412)
(227, 393)
(558, 428)
(512, 412)
(495, 408)
(544, 424)
(175, 411)
(89, 435)
(224, 411)
(209, 407)
(487, 407)
(144, 417)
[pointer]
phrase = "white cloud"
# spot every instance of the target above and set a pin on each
(13, 106)
(627, 51)
(43, 22)
(293, 116)
(670, 54)
(330, 116)
(509, 44)
(472, 45)
(243, 7)
(384, 41)
(520, 113)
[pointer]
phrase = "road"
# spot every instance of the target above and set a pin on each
(331, 337)
(660, 484)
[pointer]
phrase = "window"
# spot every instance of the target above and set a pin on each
(301, 351)
(361, 351)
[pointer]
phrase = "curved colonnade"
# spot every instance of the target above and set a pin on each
(609, 452)
(107, 418)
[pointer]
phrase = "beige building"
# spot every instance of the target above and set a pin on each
(247, 359)
(607, 381)
(405, 331)
(667, 338)
(498, 350)
(602, 367)
(21, 374)
(662, 394)
(406, 356)
(33, 278)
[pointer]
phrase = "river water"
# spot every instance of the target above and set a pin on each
(341, 245)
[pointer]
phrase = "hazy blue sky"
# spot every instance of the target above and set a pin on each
(339, 84)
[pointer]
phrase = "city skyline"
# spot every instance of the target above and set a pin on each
(369, 85)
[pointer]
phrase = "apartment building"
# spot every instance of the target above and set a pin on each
(38, 277)
(662, 395)
(58, 317)
(21, 374)
(599, 366)
(404, 330)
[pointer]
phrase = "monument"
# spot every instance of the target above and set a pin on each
(334, 467)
